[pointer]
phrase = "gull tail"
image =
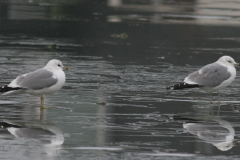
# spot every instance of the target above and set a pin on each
(8, 90)
(6, 125)
(182, 86)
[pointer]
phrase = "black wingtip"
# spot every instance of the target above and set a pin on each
(6, 88)
(182, 86)
(8, 125)
(170, 87)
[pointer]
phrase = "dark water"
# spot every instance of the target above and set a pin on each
(122, 54)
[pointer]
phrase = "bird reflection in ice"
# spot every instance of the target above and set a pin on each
(47, 134)
(44, 137)
(218, 132)
(211, 129)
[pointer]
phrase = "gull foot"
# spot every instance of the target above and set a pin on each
(219, 103)
(223, 103)
(43, 107)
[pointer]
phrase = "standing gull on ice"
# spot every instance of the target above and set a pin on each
(212, 77)
(47, 80)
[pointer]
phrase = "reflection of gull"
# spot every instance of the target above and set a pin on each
(219, 132)
(212, 77)
(43, 81)
(27, 130)
(48, 134)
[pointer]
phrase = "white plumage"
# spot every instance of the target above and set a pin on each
(47, 80)
(212, 77)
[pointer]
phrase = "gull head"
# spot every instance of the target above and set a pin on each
(56, 65)
(227, 60)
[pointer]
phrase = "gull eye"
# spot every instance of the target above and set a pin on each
(59, 65)
(230, 61)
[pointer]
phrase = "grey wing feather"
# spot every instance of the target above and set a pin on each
(38, 79)
(211, 75)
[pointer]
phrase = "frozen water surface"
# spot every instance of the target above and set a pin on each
(121, 55)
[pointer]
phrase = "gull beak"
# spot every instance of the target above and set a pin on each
(236, 64)
(65, 68)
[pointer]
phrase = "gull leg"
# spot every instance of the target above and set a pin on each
(210, 107)
(218, 98)
(210, 97)
(42, 103)
(41, 114)
(218, 109)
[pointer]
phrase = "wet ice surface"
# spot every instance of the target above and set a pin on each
(110, 109)
(114, 104)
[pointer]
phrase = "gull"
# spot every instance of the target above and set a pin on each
(44, 81)
(212, 77)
